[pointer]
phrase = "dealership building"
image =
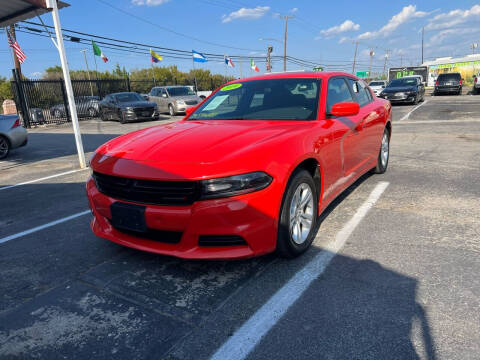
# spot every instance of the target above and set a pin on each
(467, 66)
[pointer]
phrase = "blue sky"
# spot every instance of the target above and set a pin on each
(322, 31)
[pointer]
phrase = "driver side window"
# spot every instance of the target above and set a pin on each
(337, 92)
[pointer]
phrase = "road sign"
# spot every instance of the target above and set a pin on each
(317, 68)
(363, 74)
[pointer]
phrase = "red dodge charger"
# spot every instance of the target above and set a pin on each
(247, 172)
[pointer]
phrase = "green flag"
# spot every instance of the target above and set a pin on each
(98, 52)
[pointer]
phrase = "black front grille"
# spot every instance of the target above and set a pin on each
(141, 111)
(163, 236)
(148, 191)
(221, 240)
(191, 102)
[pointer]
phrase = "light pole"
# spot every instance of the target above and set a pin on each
(88, 70)
(372, 54)
(269, 51)
(285, 41)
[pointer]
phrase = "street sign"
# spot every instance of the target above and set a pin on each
(318, 68)
(363, 74)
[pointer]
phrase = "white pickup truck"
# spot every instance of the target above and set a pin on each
(476, 84)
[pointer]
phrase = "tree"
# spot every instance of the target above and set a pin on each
(5, 91)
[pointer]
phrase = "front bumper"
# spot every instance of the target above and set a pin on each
(404, 98)
(253, 217)
(183, 108)
(132, 116)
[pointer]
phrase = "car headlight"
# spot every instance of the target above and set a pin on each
(234, 185)
(129, 109)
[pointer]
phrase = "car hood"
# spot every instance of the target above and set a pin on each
(187, 97)
(399, 89)
(137, 104)
(193, 149)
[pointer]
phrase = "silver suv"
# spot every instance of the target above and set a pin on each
(173, 99)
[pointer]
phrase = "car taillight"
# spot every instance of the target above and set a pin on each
(436, 83)
(476, 79)
(16, 124)
(460, 82)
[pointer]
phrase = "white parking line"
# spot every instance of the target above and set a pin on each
(411, 111)
(41, 179)
(41, 227)
(249, 335)
(439, 121)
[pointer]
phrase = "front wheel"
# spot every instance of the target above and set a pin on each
(384, 153)
(171, 110)
(298, 216)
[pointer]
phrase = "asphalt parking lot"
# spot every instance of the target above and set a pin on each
(398, 282)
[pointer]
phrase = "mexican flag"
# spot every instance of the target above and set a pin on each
(98, 52)
(253, 66)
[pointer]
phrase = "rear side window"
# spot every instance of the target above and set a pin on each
(362, 94)
(337, 92)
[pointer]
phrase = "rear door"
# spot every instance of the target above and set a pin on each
(371, 125)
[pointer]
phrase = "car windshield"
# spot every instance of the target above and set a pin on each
(128, 97)
(403, 82)
(376, 83)
(180, 91)
(269, 99)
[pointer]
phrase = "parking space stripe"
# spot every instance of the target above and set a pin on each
(249, 335)
(41, 227)
(439, 121)
(42, 179)
(406, 116)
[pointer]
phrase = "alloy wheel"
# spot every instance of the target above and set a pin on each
(384, 149)
(4, 148)
(301, 213)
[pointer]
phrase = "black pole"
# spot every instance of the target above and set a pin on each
(21, 99)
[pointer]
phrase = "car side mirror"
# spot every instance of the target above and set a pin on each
(345, 109)
(164, 95)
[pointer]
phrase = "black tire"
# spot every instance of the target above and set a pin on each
(415, 102)
(102, 115)
(381, 164)
(286, 246)
(122, 118)
(4, 147)
(171, 110)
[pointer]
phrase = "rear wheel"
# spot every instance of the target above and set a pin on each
(4, 147)
(298, 216)
(384, 153)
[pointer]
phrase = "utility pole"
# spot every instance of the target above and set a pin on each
(355, 57)
(15, 59)
(474, 46)
(88, 70)
(286, 17)
(385, 62)
(423, 36)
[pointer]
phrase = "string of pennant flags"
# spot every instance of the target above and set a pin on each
(154, 57)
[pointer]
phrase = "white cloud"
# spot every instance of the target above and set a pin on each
(294, 10)
(453, 18)
(408, 13)
(149, 2)
(347, 25)
(244, 13)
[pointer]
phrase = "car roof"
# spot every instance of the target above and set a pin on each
(123, 92)
(290, 75)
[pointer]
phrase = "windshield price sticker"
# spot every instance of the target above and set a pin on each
(231, 87)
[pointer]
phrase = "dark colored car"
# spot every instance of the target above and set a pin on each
(406, 90)
(87, 106)
(127, 106)
(448, 83)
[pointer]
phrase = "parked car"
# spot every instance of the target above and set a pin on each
(201, 93)
(245, 173)
(36, 116)
(127, 106)
(87, 106)
(419, 77)
(377, 86)
(174, 99)
(448, 83)
(476, 84)
(404, 90)
(12, 134)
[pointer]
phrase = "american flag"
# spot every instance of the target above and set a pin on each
(14, 45)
